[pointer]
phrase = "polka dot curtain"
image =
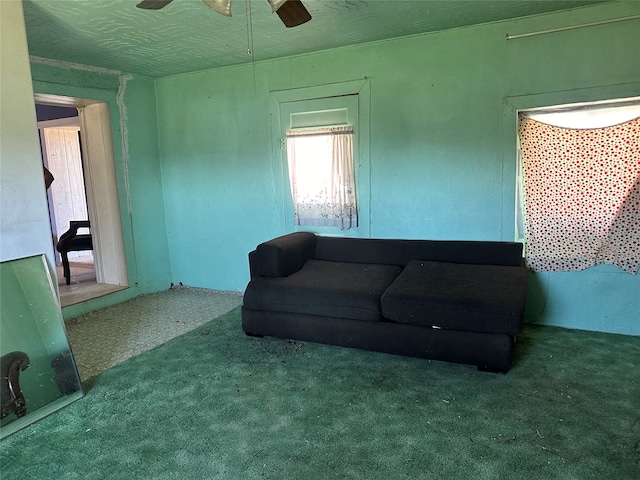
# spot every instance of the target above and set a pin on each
(581, 196)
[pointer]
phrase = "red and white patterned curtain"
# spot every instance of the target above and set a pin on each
(581, 196)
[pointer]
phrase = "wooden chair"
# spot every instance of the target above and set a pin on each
(13, 400)
(71, 241)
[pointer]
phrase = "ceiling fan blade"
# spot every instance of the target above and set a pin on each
(153, 4)
(220, 6)
(275, 4)
(291, 12)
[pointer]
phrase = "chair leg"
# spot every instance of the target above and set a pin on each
(65, 267)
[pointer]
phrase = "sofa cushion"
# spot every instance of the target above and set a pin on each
(478, 298)
(330, 289)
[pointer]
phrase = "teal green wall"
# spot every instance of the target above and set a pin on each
(442, 147)
(200, 186)
(132, 109)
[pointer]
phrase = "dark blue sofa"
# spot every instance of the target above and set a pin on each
(455, 301)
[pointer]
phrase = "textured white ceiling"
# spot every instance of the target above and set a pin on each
(187, 36)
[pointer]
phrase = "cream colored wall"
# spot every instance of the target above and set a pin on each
(62, 151)
(24, 217)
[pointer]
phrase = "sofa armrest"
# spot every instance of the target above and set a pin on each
(282, 256)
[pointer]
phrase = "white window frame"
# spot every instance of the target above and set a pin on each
(511, 106)
(280, 103)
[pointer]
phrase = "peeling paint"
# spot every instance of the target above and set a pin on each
(71, 65)
(125, 134)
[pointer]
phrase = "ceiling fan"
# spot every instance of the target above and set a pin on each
(291, 12)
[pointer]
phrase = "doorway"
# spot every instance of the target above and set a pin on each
(59, 129)
(79, 150)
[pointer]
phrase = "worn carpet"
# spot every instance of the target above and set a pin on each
(214, 403)
(106, 337)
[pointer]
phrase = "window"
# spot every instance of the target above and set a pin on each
(322, 135)
(580, 188)
(322, 176)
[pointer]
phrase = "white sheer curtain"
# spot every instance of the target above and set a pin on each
(321, 171)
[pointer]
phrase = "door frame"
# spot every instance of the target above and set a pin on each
(100, 184)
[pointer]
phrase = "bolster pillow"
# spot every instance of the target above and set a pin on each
(284, 255)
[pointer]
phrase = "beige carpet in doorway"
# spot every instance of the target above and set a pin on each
(106, 337)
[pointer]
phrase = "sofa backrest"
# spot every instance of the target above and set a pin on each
(282, 256)
(401, 252)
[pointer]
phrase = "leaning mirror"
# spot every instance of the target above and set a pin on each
(39, 374)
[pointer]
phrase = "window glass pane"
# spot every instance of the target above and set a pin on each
(322, 177)
(313, 165)
(322, 118)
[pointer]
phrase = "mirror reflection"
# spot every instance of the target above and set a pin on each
(39, 373)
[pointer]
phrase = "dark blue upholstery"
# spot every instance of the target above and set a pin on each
(458, 301)
(458, 296)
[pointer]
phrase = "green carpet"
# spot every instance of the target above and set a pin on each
(214, 403)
